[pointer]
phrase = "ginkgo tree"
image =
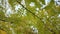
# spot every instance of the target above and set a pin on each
(30, 16)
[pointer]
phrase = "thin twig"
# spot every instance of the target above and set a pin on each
(28, 10)
(34, 15)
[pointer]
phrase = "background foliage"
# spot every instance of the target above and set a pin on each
(30, 16)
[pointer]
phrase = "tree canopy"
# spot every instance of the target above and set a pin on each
(30, 16)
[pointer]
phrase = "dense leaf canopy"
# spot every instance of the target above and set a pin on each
(30, 16)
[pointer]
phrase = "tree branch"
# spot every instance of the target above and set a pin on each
(29, 10)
